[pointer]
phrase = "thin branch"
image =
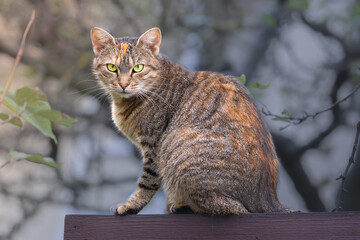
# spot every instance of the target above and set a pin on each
(9, 120)
(18, 57)
(297, 120)
(8, 161)
(5, 163)
(16, 116)
(345, 174)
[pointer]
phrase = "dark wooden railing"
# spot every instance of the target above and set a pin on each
(344, 225)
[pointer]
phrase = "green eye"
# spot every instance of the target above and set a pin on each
(138, 68)
(111, 67)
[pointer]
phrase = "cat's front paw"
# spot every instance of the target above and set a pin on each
(124, 209)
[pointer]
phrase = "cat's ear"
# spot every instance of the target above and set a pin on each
(151, 39)
(100, 38)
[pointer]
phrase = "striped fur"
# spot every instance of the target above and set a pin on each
(202, 138)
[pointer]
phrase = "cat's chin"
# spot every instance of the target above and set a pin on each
(119, 95)
(127, 95)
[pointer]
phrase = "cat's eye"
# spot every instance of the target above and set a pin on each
(138, 68)
(111, 67)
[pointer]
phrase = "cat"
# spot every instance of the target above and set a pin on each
(200, 134)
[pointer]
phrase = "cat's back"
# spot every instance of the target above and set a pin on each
(214, 98)
(218, 114)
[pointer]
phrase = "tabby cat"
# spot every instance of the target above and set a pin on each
(200, 134)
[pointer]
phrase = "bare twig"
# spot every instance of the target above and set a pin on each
(5, 163)
(344, 175)
(16, 116)
(10, 119)
(297, 120)
(8, 161)
(18, 57)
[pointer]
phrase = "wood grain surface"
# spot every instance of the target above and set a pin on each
(345, 225)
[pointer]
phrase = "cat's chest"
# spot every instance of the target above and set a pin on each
(126, 121)
(140, 124)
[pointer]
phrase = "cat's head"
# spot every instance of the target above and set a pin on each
(126, 67)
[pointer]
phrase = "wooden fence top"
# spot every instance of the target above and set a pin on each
(342, 225)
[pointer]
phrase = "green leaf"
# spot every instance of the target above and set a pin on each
(280, 119)
(27, 102)
(355, 11)
(28, 96)
(17, 155)
(16, 121)
(9, 100)
(258, 86)
(35, 158)
(41, 123)
(286, 112)
(242, 79)
(32, 106)
(298, 4)
(57, 117)
(4, 116)
(269, 20)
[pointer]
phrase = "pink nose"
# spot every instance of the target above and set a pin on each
(123, 85)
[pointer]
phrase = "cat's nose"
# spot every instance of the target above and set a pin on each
(124, 85)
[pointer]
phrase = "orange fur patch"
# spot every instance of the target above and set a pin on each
(124, 47)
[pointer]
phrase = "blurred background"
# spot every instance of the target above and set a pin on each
(307, 51)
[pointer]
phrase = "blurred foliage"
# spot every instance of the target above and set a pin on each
(35, 158)
(255, 85)
(31, 105)
(298, 4)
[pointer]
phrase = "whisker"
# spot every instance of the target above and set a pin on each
(142, 93)
(100, 96)
(160, 97)
(88, 90)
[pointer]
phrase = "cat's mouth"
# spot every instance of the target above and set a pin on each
(118, 89)
(122, 93)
